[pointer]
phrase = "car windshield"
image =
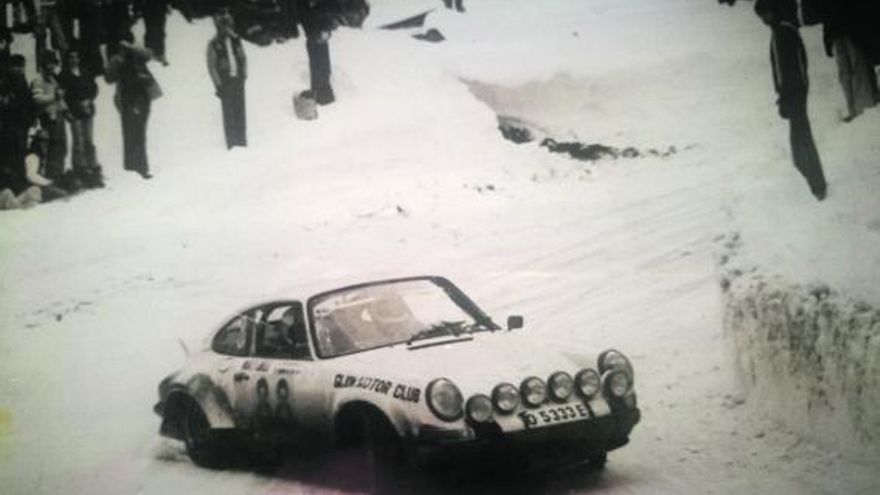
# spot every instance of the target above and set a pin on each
(387, 313)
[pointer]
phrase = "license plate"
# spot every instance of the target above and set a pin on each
(554, 414)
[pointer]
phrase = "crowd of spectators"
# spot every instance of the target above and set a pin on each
(52, 115)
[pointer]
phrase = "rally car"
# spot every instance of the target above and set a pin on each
(410, 363)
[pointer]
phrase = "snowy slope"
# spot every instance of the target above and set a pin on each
(407, 174)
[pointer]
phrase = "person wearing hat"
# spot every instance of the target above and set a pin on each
(227, 65)
(51, 110)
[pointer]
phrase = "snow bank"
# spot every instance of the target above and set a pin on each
(808, 353)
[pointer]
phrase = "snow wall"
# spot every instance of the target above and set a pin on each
(808, 354)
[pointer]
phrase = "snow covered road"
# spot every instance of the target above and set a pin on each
(407, 174)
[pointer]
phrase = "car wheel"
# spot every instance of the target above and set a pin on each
(379, 455)
(200, 441)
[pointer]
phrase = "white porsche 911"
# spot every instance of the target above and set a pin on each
(411, 365)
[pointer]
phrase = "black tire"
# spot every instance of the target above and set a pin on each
(201, 442)
(377, 453)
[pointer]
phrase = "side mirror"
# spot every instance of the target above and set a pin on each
(514, 322)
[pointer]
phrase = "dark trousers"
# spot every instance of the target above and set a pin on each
(57, 151)
(319, 69)
(155, 12)
(83, 154)
(234, 112)
(135, 111)
(13, 143)
(117, 22)
(457, 3)
(49, 33)
(90, 17)
(789, 60)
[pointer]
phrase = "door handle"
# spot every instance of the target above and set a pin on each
(241, 377)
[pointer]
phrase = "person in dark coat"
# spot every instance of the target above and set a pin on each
(789, 62)
(847, 32)
(227, 65)
(135, 90)
(51, 113)
(16, 118)
(80, 91)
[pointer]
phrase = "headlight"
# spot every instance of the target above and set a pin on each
(561, 386)
(617, 383)
(479, 408)
(444, 399)
(534, 391)
(588, 382)
(505, 397)
(613, 360)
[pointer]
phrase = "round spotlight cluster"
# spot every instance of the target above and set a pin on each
(479, 408)
(534, 391)
(588, 382)
(561, 386)
(444, 399)
(505, 397)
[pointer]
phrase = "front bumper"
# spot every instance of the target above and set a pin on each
(546, 446)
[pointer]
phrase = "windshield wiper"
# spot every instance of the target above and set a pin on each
(454, 328)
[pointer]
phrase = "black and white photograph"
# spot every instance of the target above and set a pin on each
(439, 247)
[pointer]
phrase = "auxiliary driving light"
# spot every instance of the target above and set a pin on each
(534, 391)
(479, 408)
(617, 383)
(561, 386)
(505, 397)
(588, 382)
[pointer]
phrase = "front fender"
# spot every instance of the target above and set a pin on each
(202, 390)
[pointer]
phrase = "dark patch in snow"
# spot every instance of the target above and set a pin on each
(514, 130)
(432, 35)
(595, 151)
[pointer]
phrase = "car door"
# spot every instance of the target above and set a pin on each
(280, 360)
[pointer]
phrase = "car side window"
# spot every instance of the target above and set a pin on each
(234, 339)
(282, 335)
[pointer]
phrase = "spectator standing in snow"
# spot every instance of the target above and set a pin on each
(846, 32)
(454, 3)
(16, 117)
(51, 110)
(80, 92)
(154, 13)
(317, 24)
(135, 90)
(227, 65)
(788, 60)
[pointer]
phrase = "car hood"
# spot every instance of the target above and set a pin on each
(474, 365)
